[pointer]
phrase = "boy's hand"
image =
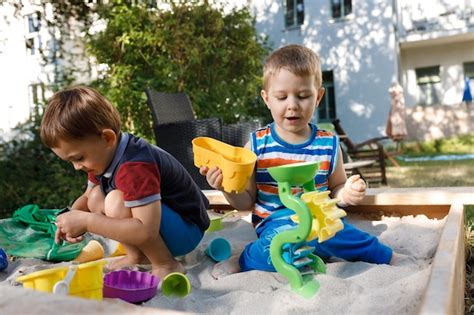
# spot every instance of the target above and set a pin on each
(71, 226)
(354, 190)
(213, 176)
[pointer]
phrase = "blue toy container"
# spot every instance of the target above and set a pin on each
(3, 260)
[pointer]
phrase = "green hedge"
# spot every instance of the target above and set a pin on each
(32, 173)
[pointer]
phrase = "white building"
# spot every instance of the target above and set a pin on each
(30, 62)
(427, 45)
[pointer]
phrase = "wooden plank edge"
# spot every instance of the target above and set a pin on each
(375, 212)
(445, 291)
(389, 196)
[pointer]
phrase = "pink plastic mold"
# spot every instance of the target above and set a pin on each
(130, 286)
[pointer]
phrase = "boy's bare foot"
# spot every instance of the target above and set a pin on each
(403, 260)
(162, 271)
(226, 267)
(126, 261)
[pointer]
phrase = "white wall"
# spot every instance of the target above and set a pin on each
(360, 50)
(15, 70)
(450, 57)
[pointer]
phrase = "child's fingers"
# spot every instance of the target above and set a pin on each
(203, 170)
(216, 181)
(57, 235)
(71, 239)
(359, 185)
(353, 178)
(213, 173)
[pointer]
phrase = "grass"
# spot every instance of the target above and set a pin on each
(442, 174)
(432, 174)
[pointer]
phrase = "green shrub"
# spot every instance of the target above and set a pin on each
(32, 173)
(454, 145)
(195, 47)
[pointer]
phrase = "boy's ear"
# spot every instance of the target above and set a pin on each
(264, 95)
(320, 95)
(109, 136)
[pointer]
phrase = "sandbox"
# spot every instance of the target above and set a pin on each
(437, 287)
(444, 293)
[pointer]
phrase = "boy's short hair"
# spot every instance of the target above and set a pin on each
(76, 113)
(297, 59)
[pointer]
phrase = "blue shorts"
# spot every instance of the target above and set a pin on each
(179, 235)
(350, 244)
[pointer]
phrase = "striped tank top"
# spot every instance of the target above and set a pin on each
(271, 150)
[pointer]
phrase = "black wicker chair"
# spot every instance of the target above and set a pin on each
(239, 134)
(175, 127)
(169, 107)
(176, 138)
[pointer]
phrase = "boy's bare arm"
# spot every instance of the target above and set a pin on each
(338, 178)
(245, 200)
(138, 230)
(349, 191)
(81, 202)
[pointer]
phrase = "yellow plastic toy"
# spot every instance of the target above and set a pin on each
(92, 251)
(326, 215)
(82, 280)
(237, 164)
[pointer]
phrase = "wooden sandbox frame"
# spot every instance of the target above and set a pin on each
(444, 293)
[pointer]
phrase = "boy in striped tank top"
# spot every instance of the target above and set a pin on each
(292, 90)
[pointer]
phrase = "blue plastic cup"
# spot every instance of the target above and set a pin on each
(219, 249)
(3, 260)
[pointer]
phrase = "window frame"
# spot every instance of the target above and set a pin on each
(37, 99)
(297, 14)
(328, 102)
(428, 80)
(342, 8)
(468, 69)
(33, 22)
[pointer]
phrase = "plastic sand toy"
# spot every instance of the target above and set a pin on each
(130, 286)
(3, 260)
(92, 251)
(175, 284)
(216, 223)
(237, 164)
(82, 280)
(219, 249)
(316, 217)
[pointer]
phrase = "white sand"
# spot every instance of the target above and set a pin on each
(346, 288)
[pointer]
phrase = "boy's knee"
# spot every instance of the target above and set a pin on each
(114, 205)
(95, 200)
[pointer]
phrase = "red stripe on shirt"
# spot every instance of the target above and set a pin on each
(138, 180)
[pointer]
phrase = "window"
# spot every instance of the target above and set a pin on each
(327, 106)
(34, 22)
(469, 70)
(37, 100)
(294, 13)
(429, 84)
(341, 8)
(33, 45)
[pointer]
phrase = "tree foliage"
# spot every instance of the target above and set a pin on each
(197, 48)
(31, 173)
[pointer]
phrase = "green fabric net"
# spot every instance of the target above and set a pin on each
(30, 234)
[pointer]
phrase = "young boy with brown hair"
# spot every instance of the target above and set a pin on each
(137, 194)
(292, 90)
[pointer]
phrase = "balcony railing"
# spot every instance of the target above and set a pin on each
(420, 20)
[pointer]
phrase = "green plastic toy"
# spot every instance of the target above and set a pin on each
(288, 250)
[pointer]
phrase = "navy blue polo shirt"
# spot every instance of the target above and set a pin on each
(145, 173)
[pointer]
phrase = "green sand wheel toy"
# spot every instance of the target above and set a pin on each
(317, 216)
